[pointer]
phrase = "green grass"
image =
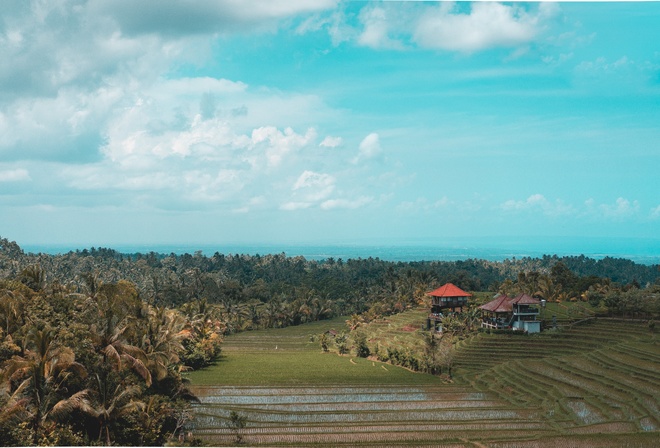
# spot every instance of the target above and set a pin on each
(298, 368)
(286, 357)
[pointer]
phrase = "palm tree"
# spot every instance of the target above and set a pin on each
(431, 352)
(406, 288)
(112, 309)
(42, 374)
(11, 306)
(236, 316)
(33, 277)
(548, 290)
(163, 338)
(507, 287)
(272, 313)
(472, 316)
(354, 322)
(320, 309)
(106, 405)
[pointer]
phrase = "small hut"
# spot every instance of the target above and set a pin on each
(446, 298)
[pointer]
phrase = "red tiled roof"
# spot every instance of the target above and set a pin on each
(501, 304)
(524, 299)
(449, 290)
(504, 304)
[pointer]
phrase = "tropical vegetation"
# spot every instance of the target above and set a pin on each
(95, 344)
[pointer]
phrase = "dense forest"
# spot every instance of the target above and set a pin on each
(93, 343)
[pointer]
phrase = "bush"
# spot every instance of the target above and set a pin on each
(361, 347)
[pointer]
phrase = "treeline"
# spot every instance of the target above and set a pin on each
(307, 289)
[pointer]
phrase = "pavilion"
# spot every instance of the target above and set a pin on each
(447, 298)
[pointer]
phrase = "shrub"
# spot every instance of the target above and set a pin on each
(361, 347)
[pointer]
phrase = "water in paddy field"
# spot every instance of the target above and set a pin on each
(644, 251)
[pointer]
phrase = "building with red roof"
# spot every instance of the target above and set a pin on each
(447, 298)
(519, 313)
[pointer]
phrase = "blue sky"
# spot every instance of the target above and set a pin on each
(327, 121)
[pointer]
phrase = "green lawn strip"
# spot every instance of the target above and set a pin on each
(286, 357)
(598, 332)
(526, 388)
(389, 435)
(298, 368)
(401, 331)
(495, 349)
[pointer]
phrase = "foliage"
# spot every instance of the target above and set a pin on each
(341, 342)
(236, 423)
(91, 363)
(274, 291)
(361, 346)
(323, 341)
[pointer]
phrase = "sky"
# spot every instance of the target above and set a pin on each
(325, 121)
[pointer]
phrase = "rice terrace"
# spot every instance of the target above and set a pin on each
(588, 383)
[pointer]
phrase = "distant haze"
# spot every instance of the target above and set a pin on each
(494, 249)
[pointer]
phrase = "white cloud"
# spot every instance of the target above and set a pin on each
(622, 208)
(655, 212)
(538, 202)
(424, 205)
(533, 200)
(15, 175)
(76, 70)
(487, 25)
(452, 26)
(376, 28)
(369, 148)
(351, 204)
(601, 64)
(292, 206)
(331, 142)
(314, 187)
(281, 143)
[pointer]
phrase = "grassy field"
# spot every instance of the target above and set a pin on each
(288, 357)
(596, 384)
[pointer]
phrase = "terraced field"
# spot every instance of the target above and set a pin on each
(595, 384)
(597, 378)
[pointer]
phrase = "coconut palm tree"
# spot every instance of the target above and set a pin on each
(11, 307)
(42, 374)
(34, 277)
(106, 405)
(548, 290)
(163, 338)
(111, 311)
